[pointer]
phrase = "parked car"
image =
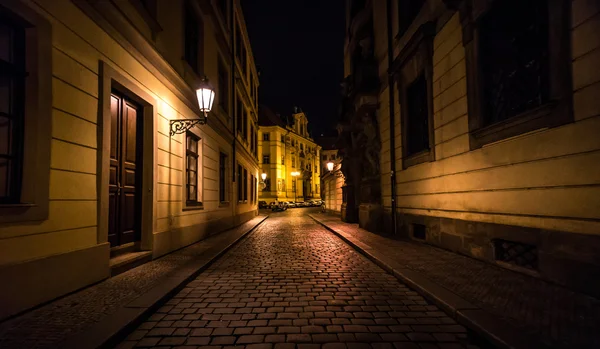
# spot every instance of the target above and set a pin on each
(272, 204)
(291, 204)
(280, 206)
(262, 204)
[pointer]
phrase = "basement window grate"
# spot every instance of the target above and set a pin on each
(516, 253)
(419, 231)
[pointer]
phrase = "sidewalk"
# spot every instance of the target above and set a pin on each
(90, 317)
(511, 309)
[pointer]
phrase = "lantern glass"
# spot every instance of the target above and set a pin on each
(263, 176)
(330, 166)
(206, 96)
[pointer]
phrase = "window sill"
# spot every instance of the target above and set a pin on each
(193, 207)
(224, 204)
(21, 205)
(417, 158)
(546, 115)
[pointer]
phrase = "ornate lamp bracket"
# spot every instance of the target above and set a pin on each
(182, 125)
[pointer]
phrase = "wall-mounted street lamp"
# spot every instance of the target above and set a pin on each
(330, 166)
(206, 96)
(263, 183)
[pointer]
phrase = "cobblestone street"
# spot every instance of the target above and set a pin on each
(293, 284)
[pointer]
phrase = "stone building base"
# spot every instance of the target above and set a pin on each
(369, 217)
(566, 258)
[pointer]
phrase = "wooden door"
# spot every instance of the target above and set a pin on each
(125, 170)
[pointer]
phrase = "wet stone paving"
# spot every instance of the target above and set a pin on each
(292, 284)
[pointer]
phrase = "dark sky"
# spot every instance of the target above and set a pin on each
(298, 46)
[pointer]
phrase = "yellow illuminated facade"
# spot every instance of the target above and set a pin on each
(102, 174)
(289, 157)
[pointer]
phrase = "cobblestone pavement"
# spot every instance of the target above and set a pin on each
(50, 325)
(557, 315)
(293, 284)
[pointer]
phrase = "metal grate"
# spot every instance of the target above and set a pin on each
(419, 231)
(519, 254)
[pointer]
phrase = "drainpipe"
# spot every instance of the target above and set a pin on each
(232, 88)
(392, 115)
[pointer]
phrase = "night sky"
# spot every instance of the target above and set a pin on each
(298, 46)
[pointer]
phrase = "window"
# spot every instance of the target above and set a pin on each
(193, 37)
(25, 112)
(519, 73)
(266, 159)
(515, 75)
(283, 159)
(251, 138)
(252, 188)
(416, 100)
(192, 169)
(239, 186)
(222, 177)
(256, 142)
(240, 49)
(266, 136)
(301, 146)
(408, 11)
(417, 120)
(238, 114)
(12, 104)
(294, 162)
(223, 86)
(282, 139)
(245, 124)
(324, 157)
(245, 185)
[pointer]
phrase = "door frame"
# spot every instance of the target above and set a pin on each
(109, 79)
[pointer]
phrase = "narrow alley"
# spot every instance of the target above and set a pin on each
(293, 282)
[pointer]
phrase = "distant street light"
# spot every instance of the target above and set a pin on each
(263, 183)
(295, 174)
(330, 166)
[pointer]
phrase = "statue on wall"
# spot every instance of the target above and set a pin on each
(372, 145)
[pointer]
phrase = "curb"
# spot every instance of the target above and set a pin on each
(109, 331)
(497, 331)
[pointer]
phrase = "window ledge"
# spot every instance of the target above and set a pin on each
(417, 158)
(193, 207)
(525, 122)
(224, 204)
(21, 205)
